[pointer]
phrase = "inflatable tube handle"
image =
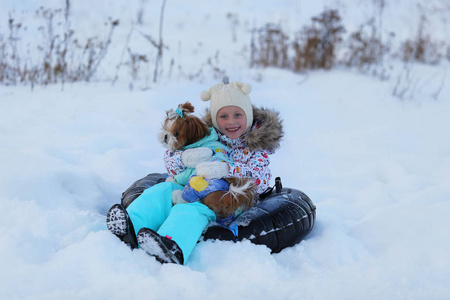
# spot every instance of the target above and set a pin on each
(278, 185)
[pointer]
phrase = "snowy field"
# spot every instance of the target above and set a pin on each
(376, 167)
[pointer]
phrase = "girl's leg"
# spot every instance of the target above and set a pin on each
(185, 224)
(153, 206)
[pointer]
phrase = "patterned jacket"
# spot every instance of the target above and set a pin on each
(250, 152)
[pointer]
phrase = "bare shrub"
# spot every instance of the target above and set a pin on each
(365, 51)
(364, 47)
(209, 68)
(11, 70)
(136, 60)
(156, 43)
(57, 58)
(305, 46)
(315, 45)
(421, 48)
(269, 47)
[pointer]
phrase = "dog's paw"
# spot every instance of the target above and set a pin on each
(192, 157)
(213, 169)
(177, 198)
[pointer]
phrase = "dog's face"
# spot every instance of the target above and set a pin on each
(181, 128)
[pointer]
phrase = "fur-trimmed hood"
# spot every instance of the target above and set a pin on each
(266, 132)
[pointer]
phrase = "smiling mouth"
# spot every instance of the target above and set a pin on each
(233, 129)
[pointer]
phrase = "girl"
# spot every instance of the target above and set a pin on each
(170, 233)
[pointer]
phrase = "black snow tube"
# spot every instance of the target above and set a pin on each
(138, 187)
(282, 219)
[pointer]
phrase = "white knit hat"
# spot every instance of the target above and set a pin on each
(227, 94)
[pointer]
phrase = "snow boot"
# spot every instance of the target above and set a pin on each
(119, 224)
(219, 232)
(162, 248)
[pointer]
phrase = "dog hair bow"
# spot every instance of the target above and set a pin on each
(179, 112)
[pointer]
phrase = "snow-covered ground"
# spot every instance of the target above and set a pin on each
(377, 168)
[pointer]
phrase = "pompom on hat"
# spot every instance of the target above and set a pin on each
(229, 94)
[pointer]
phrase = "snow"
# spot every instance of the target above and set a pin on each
(376, 167)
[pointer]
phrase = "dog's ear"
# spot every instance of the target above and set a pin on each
(187, 107)
(170, 114)
(201, 127)
(195, 129)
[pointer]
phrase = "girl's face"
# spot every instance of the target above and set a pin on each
(231, 121)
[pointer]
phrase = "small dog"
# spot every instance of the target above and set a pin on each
(180, 129)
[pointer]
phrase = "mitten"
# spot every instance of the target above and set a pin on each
(213, 169)
(192, 157)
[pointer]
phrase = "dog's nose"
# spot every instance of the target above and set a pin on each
(165, 138)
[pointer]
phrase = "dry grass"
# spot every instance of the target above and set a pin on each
(60, 57)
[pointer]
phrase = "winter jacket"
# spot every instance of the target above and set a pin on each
(250, 152)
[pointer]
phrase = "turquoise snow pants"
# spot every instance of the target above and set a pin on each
(184, 223)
